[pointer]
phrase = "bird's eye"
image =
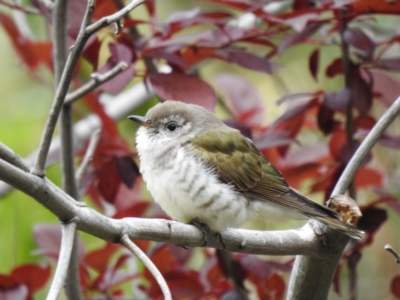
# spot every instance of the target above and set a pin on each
(171, 127)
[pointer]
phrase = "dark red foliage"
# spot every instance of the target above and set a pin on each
(182, 87)
(113, 181)
(32, 53)
(395, 286)
(313, 63)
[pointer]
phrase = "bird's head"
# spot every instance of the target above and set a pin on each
(174, 120)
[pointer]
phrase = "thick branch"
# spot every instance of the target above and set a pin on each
(13, 158)
(67, 242)
(149, 265)
(312, 276)
(289, 242)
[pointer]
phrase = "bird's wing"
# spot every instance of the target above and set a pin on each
(238, 162)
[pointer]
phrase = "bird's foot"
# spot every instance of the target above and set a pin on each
(221, 240)
(203, 227)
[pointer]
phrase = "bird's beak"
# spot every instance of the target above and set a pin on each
(141, 120)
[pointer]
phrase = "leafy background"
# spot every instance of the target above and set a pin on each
(27, 98)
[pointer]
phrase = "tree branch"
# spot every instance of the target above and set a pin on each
(59, 36)
(25, 9)
(97, 80)
(148, 264)
(67, 242)
(13, 158)
(396, 255)
(94, 140)
(312, 275)
(105, 21)
(117, 107)
(289, 242)
(61, 92)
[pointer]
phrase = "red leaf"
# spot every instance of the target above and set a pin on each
(109, 181)
(335, 68)
(395, 286)
(386, 86)
(272, 289)
(119, 53)
(33, 276)
(183, 87)
(375, 7)
(372, 218)
(104, 8)
(358, 39)
(336, 143)
(336, 280)
(368, 177)
(313, 63)
(33, 54)
(247, 60)
(126, 169)
(270, 139)
(392, 64)
(91, 51)
(191, 289)
(337, 101)
(325, 119)
(243, 97)
(243, 128)
(6, 282)
(299, 37)
(193, 55)
(361, 94)
(98, 259)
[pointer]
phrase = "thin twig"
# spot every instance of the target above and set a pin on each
(67, 242)
(94, 140)
(13, 158)
(97, 80)
(105, 21)
(62, 90)
(396, 255)
(131, 246)
(25, 9)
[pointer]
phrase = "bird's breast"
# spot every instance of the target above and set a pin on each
(186, 189)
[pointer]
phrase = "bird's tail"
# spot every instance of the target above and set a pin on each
(340, 226)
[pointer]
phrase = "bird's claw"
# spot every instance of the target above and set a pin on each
(221, 240)
(203, 227)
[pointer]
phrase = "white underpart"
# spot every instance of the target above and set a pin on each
(182, 185)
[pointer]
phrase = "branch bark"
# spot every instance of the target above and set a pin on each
(67, 243)
(148, 264)
(289, 242)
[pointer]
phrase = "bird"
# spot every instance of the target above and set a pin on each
(203, 172)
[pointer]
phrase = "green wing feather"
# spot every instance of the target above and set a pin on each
(238, 162)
